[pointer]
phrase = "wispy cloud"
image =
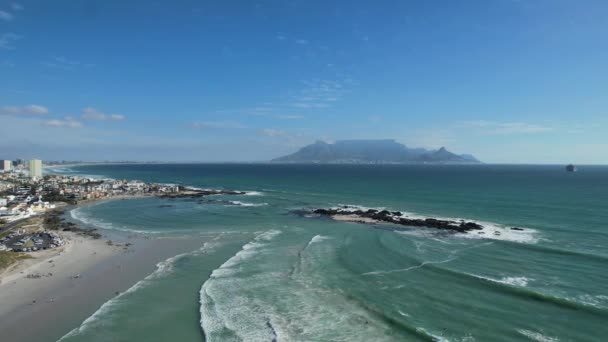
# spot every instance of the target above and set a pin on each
(6, 40)
(319, 94)
(217, 124)
(61, 62)
(6, 16)
(32, 109)
(67, 122)
(508, 127)
(302, 41)
(271, 132)
(290, 117)
(93, 114)
(311, 105)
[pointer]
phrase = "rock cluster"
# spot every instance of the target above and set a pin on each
(201, 193)
(397, 217)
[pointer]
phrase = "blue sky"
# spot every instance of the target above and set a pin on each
(508, 81)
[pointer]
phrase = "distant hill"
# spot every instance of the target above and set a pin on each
(372, 152)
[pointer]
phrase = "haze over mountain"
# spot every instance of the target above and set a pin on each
(372, 152)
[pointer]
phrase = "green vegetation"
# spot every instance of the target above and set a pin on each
(52, 220)
(55, 197)
(9, 258)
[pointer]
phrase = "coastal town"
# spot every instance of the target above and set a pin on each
(31, 201)
(26, 192)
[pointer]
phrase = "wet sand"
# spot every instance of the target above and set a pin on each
(75, 281)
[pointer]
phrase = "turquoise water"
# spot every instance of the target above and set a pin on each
(267, 274)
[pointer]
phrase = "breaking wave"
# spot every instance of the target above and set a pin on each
(163, 269)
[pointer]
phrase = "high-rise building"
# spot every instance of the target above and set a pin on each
(6, 165)
(35, 168)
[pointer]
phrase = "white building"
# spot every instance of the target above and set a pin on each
(35, 168)
(6, 165)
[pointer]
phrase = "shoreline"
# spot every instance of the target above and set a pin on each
(71, 282)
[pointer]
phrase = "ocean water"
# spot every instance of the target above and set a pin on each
(267, 274)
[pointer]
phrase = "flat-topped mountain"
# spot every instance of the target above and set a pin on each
(372, 152)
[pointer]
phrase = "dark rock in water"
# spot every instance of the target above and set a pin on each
(516, 228)
(201, 193)
(323, 212)
(398, 218)
(471, 225)
(166, 206)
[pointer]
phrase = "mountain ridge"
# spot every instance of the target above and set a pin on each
(381, 151)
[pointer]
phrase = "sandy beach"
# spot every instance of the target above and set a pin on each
(55, 290)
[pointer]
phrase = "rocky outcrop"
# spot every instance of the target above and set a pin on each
(201, 193)
(398, 218)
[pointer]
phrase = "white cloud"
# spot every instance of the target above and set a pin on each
(7, 64)
(271, 132)
(216, 124)
(302, 41)
(6, 16)
(319, 93)
(24, 110)
(310, 105)
(60, 62)
(16, 6)
(509, 127)
(290, 117)
(6, 40)
(67, 122)
(93, 114)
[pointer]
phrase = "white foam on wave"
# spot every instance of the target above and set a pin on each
(435, 338)
(598, 301)
(354, 207)
(410, 268)
(245, 204)
(254, 193)
(403, 313)
(494, 231)
(536, 336)
(247, 252)
(68, 171)
(491, 231)
(245, 193)
(319, 238)
(212, 320)
(513, 281)
(77, 214)
(163, 269)
(266, 300)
